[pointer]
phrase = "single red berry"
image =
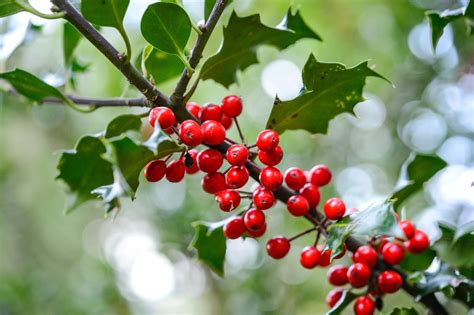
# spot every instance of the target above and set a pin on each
(366, 255)
(254, 219)
(325, 259)
(234, 228)
(267, 140)
(271, 178)
(155, 170)
(175, 171)
(210, 112)
(311, 193)
(389, 281)
(232, 106)
(258, 232)
(320, 175)
(152, 116)
(228, 199)
(271, 158)
(295, 178)
(364, 306)
(358, 275)
(297, 205)
(407, 228)
(309, 257)
(209, 160)
(226, 121)
(393, 253)
(213, 183)
(213, 133)
(194, 109)
(337, 275)
(334, 209)
(190, 133)
(190, 161)
(237, 176)
(278, 247)
(165, 117)
(237, 154)
(418, 243)
(333, 297)
(381, 243)
(263, 198)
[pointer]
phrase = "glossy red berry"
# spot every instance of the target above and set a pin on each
(237, 177)
(213, 183)
(364, 306)
(393, 253)
(234, 228)
(271, 158)
(237, 154)
(309, 257)
(334, 209)
(165, 117)
(152, 116)
(210, 112)
(259, 232)
(337, 275)
(271, 178)
(155, 170)
(190, 133)
(175, 171)
(190, 161)
(213, 133)
(366, 255)
(333, 297)
(320, 175)
(267, 140)
(325, 259)
(278, 247)
(232, 106)
(194, 109)
(418, 243)
(209, 160)
(358, 275)
(297, 205)
(407, 227)
(389, 281)
(311, 193)
(226, 121)
(295, 178)
(254, 219)
(228, 199)
(263, 198)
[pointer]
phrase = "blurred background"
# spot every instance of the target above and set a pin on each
(139, 262)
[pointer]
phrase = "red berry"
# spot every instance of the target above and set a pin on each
(213, 133)
(418, 243)
(325, 259)
(237, 154)
(393, 253)
(175, 171)
(226, 121)
(333, 297)
(209, 160)
(194, 109)
(267, 140)
(263, 198)
(190, 133)
(232, 106)
(271, 158)
(234, 228)
(271, 178)
(389, 281)
(366, 255)
(337, 275)
(155, 170)
(237, 176)
(258, 232)
(165, 117)
(278, 247)
(358, 275)
(254, 219)
(210, 112)
(152, 116)
(190, 161)
(169, 131)
(320, 175)
(364, 306)
(309, 257)
(311, 193)
(213, 183)
(228, 199)
(382, 242)
(297, 205)
(407, 228)
(334, 209)
(295, 178)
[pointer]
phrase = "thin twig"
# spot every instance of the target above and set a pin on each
(302, 233)
(241, 135)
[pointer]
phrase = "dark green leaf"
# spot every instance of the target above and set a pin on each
(242, 37)
(10, 7)
(162, 145)
(346, 299)
(330, 89)
(71, 38)
(105, 12)
(404, 311)
(451, 247)
(377, 219)
(160, 66)
(418, 262)
(122, 124)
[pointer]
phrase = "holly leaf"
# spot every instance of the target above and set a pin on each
(404, 311)
(161, 144)
(242, 37)
(10, 7)
(451, 246)
(122, 124)
(160, 66)
(71, 38)
(418, 262)
(346, 298)
(105, 12)
(415, 172)
(378, 219)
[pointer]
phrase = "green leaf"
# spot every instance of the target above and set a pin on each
(160, 66)
(210, 244)
(10, 7)
(378, 219)
(83, 170)
(451, 246)
(404, 311)
(105, 12)
(162, 145)
(122, 124)
(71, 38)
(346, 299)
(330, 89)
(242, 37)
(416, 171)
(418, 262)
